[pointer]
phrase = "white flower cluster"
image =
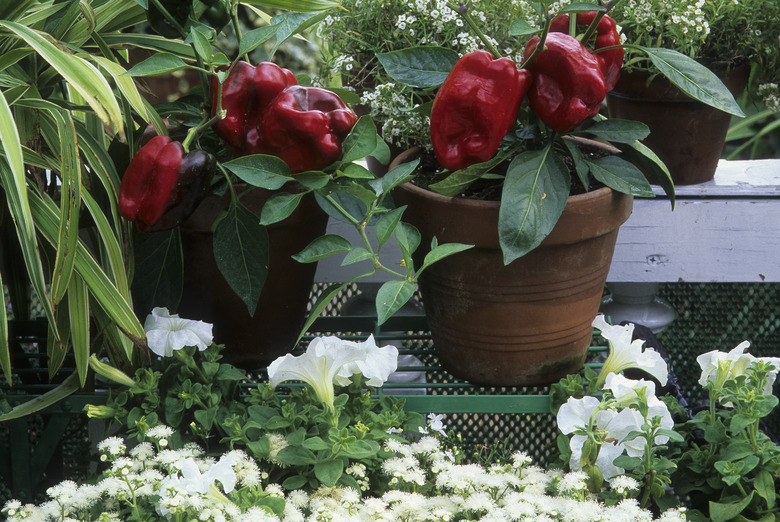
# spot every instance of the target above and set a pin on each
(770, 93)
(402, 120)
(192, 487)
(683, 24)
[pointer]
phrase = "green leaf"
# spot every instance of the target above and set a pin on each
(408, 239)
(329, 471)
(5, 352)
(78, 309)
(457, 181)
(620, 175)
(387, 223)
(268, 172)
(764, 485)
(157, 64)
(520, 27)
(649, 163)
(399, 175)
(279, 206)
(297, 456)
(322, 302)
(535, 192)
(693, 79)
(290, 24)
(423, 67)
(618, 131)
(316, 444)
(200, 42)
(241, 253)
(159, 270)
(582, 7)
(357, 171)
(78, 73)
(253, 39)
(361, 141)
(304, 6)
(313, 180)
(577, 159)
(361, 449)
(392, 295)
(68, 386)
(321, 247)
(721, 512)
(356, 255)
(294, 482)
(441, 251)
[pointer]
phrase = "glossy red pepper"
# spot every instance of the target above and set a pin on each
(568, 85)
(305, 126)
(246, 93)
(162, 185)
(606, 36)
(475, 107)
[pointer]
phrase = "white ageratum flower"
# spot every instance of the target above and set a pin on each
(733, 364)
(330, 360)
(625, 353)
(166, 333)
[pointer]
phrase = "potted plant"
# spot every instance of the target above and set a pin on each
(485, 137)
(737, 40)
(260, 151)
(63, 98)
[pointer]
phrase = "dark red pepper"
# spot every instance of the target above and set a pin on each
(246, 93)
(606, 36)
(305, 126)
(475, 107)
(162, 185)
(568, 85)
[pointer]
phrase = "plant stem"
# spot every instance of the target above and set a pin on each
(195, 130)
(463, 11)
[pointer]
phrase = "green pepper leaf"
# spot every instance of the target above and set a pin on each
(520, 27)
(357, 171)
(279, 206)
(439, 252)
(241, 253)
(620, 175)
(253, 39)
(408, 239)
(618, 131)
(160, 63)
(259, 170)
(392, 295)
(322, 247)
(356, 255)
(535, 192)
(640, 155)
(387, 223)
(361, 141)
(693, 79)
(457, 181)
(582, 7)
(159, 263)
(422, 67)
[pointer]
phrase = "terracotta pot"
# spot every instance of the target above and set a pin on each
(251, 342)
(686, 134)
(527, 323)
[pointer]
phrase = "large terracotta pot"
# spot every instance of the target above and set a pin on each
(686, 134)
(526, 323)
(251, 342)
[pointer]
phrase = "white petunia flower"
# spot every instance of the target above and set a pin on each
(166, 333)
(625, 353)
(193, 481)
(330, 360)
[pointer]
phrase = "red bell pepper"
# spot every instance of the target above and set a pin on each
(568, 85)
(246, 93)
(162, 185)
(606, 36)
(305, 126)
(475, 107)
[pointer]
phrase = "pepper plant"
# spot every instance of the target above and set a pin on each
(571, 58)
(281, 132)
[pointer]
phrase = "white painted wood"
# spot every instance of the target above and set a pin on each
(725, 230)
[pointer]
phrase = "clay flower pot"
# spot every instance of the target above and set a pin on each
(686, 134)
(526, 323)
(251, 341)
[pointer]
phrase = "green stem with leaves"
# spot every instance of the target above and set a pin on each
(463, 11)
